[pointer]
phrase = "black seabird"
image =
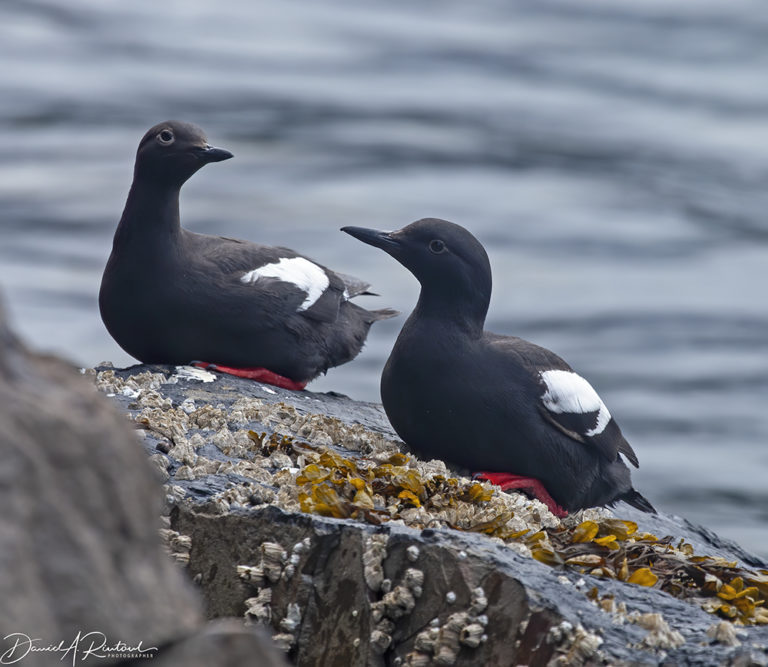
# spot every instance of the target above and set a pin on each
(490, 402)
(171, 296)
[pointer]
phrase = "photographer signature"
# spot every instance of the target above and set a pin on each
(83, 646)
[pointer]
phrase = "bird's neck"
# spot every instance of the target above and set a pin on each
(151, 214)
(462, 314)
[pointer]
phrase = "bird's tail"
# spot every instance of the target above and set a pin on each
(638, 500)
(383, 314)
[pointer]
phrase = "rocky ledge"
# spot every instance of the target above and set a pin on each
(303, 512)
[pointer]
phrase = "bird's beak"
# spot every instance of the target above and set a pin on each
(378, 239)
(209, 153)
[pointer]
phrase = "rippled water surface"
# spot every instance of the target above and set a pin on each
(612, 157)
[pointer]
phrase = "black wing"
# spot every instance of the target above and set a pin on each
(235, 262)
(567, 401)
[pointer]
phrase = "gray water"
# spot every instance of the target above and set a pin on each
(612, 156)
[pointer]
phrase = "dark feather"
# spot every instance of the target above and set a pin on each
(355, 286)
(637, 500)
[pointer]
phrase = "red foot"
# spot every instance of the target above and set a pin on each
(258, 374)
(508, 481)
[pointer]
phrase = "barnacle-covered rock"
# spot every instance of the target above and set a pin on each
(408, 561)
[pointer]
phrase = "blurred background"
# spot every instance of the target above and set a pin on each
(612, 157)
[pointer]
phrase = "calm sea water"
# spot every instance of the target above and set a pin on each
(612, 157)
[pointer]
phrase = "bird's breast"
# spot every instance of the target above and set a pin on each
(425, 394)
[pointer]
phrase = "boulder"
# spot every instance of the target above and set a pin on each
(299, 511)
(82, 564)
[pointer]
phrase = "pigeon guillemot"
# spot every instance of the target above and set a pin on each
(489, 402)
(171, 296)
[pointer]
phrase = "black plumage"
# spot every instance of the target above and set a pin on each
(485, 401)
(169, 295)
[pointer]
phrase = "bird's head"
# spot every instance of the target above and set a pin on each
(172, 151)
(448, 261)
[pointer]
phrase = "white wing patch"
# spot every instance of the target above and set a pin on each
(302, 273)
(569, 392)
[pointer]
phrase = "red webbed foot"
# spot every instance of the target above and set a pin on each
(533, 486)
(258, 374)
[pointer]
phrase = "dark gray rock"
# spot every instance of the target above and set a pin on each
(339, 591)
(79, 545)
(533, 614)
(221, 644)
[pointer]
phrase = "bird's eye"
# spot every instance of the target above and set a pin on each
(437, 246)
(165, 137)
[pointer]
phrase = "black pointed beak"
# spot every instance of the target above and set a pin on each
(378, 239)
(212, 154)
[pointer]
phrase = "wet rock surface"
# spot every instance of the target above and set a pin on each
(388, 591)
(80, 554)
